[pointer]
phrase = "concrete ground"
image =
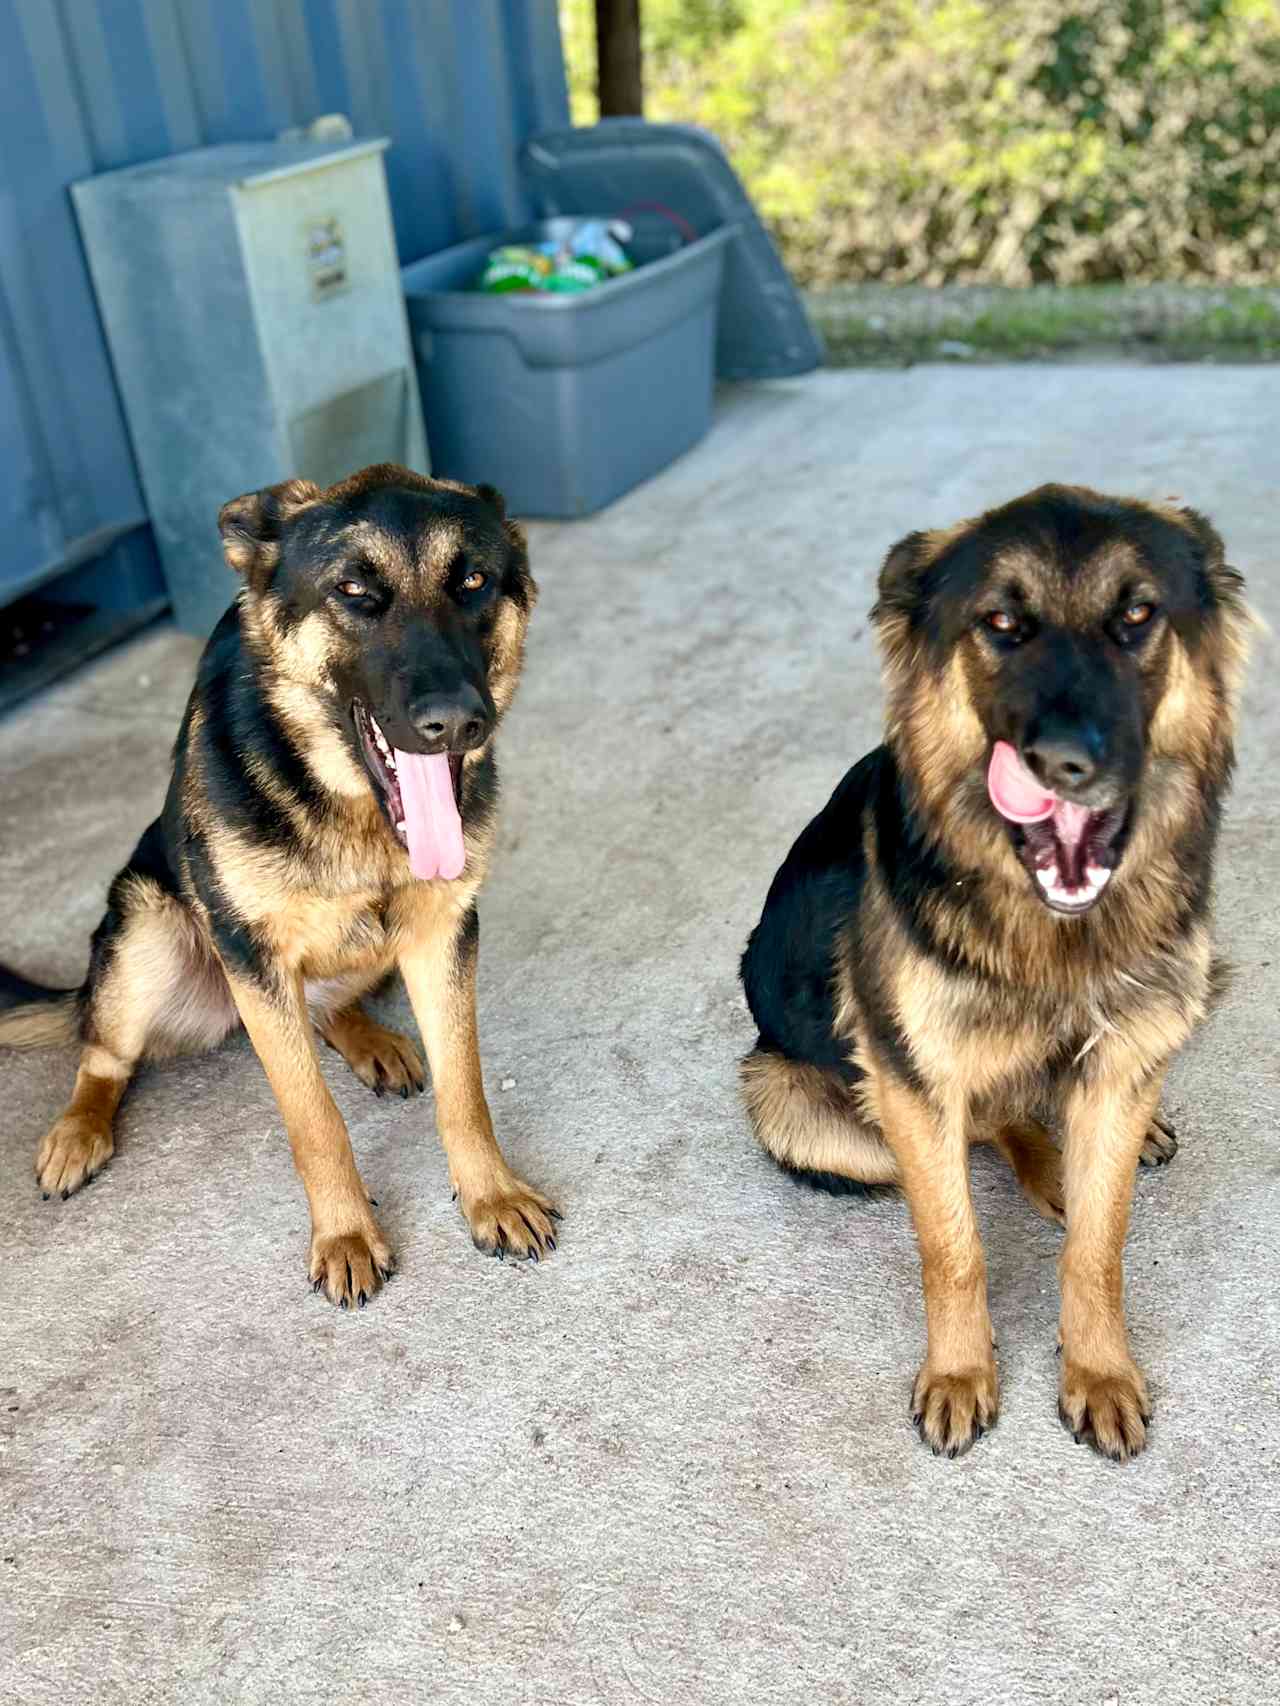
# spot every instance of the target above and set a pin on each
(671, 1464)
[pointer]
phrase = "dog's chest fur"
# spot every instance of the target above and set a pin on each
(1018, 1041)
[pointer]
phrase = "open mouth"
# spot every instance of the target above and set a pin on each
(1070, 850)
(421, 795)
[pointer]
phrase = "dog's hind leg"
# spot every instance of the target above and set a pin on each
(1036, 1159)
(153, 989)
(1160, 1144)
(80, 1143)
(381, 1058)
(1036, 1162)
(812, 1125)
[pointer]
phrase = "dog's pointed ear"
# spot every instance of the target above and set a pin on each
(251, 525)
(901, 578)
(1226, 583)
(494, 498)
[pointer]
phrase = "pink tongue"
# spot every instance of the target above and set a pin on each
(1014, 791)
(431, 818)
(1017, 795)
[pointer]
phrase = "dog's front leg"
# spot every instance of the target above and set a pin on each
(438, 963)
(1102, 1396)
(956, 1396)
(350, 1258)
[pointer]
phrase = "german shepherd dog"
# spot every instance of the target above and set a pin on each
(999, 923)
(329, 819)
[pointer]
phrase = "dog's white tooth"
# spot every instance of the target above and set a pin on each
(401, 826)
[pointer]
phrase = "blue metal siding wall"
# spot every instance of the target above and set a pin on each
(86, 85)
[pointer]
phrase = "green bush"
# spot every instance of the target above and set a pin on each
(1009, 142)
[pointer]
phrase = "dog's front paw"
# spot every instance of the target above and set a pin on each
(951, 1408)
(510, 1218)
(1108, 1410)
(350, 1267)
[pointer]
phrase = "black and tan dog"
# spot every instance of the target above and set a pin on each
(329, 820)
(1000, 921)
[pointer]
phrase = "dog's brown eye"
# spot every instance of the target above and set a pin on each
(1002, 622)
(1137, 614)
(474, 581)
(353, 589)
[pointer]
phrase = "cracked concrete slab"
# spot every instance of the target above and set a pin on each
(673, 1462)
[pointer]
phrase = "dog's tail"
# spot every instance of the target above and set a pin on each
(809, 1120)
(32, 1015)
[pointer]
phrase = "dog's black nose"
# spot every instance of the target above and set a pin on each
(454, 722)
(1065, 758)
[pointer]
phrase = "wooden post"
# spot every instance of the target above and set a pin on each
(618, 78)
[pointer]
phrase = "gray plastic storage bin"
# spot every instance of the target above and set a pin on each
(565, 402)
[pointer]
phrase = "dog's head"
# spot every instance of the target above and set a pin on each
(401, 603)
(1060, 667)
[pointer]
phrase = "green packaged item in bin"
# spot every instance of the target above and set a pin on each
(514, 267)
(587, 253)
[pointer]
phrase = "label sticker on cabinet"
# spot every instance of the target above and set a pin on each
(327, 258)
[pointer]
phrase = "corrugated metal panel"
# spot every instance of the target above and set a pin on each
(90, 84)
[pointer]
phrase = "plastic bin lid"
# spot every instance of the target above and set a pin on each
(626, 165)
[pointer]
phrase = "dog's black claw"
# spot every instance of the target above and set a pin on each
(404, 1092)
(343, 1303)
(555, 1214)
(65, 1195)
(1077, 1434)
(45, 1195)
(373, 1202)
(363, 1300)
(551, 1243)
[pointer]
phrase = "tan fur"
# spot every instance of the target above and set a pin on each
(1101, 1388)
(382, 1059)
(331, 908)
(81, 1141)
(503, 1212)
(806, 1118)
(1110, 997)
(809, 1121)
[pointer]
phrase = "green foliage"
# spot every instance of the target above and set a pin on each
(983, 141)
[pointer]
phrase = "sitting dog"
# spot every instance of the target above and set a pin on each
(1000, 921)
(329, 820)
